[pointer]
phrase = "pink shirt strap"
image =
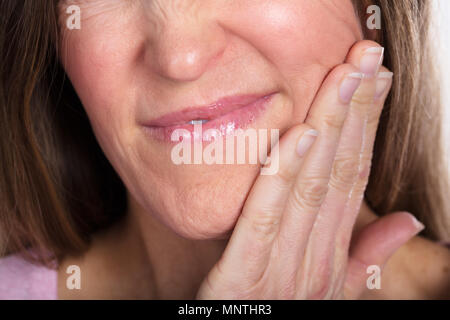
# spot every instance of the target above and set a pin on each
(20, 279)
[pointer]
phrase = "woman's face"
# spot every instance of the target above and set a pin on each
(138, 63)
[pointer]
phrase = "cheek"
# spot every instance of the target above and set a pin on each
(301, 33)
(303, 40)
(99, 67)
(99, 57)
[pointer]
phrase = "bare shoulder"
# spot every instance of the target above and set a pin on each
(21, 279)
(418, 270)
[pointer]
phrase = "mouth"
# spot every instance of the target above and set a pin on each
(220, 118)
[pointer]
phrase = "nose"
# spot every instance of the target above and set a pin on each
(185, 51)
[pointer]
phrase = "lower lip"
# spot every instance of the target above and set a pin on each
(226, 124)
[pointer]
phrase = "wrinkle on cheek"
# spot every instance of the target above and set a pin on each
(95, 8)
(106, 17)
(113, 137)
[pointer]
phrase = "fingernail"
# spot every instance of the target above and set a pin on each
(349, 86)
(382, 83)
(306, 142)
(371, 61)
(419, 225)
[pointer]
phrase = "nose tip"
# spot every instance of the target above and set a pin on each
(185, 55)
(183, 64)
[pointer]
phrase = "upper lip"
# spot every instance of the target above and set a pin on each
(211, 111)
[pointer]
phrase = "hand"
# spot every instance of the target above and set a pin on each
(292, 240)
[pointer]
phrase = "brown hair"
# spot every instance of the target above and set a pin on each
(57, 187)
(409, 170)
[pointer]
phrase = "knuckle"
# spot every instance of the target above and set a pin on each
(363, 97)
(364, 169)
(310, 194)
(264, 224)
(285, 175)
(373, 117)
(363, 178)
(344, 173)
(333, 121)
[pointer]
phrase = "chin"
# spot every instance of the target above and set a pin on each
(206, 209)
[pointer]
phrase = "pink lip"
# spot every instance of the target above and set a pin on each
(225, 116)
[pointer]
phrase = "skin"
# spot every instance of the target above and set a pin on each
(224, 231)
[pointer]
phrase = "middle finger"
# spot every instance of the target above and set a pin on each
(349, 163)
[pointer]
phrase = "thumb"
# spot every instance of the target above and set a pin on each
(375, 244)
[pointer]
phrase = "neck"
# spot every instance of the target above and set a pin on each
(140, 258)
(173, 266)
